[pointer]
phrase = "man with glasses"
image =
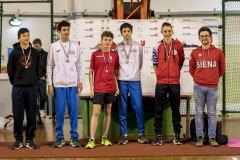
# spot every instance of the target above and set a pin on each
(168, 58)
(207, 65)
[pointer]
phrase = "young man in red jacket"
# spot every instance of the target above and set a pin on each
(168, 58)
(207, 65)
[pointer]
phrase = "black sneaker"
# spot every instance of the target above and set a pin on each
(17, 145)
(59, 143)
(142, 139)
(123, 140)
(74, 142)
(31, 145)
(177, 139)
(158, 141)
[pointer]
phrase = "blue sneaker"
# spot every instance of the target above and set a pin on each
(74, 142)
(59, 143)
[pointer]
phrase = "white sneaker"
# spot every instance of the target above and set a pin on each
(42, 114)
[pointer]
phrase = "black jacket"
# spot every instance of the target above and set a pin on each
(43, 63)
(20, 73)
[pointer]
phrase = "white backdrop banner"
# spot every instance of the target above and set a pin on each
(147, 32)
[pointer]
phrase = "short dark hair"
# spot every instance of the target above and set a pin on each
(205, 29)
(63, 23)
(107, 34)
(166, 24)
(22, 31)
(37, 40)
(126, 25)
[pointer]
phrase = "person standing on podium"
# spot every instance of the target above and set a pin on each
(168, 57)
(129, 80)
(206, 66)
(64, 79)
(104, 64)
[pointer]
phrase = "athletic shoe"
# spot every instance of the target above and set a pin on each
(123, 140)
(31, 145)
(106, 142)
(142, 139)
(213, 142)
(199, 141)
(17, 145)
(90, 144)
(74, 142)
(177, 139)
(158, 141)
(59, 143)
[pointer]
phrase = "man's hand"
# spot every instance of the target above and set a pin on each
(79, 88)
(50, 90)
(43, 78)
(117, 92)
(92, 93)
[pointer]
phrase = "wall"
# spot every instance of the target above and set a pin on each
(38, 27)
(185, 5)
(60, 6)
(68, 6)
(156, 5)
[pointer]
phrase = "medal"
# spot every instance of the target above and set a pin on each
(67, 53)
(26, 60)
(127, 55)
(171, 49)
(106, 62)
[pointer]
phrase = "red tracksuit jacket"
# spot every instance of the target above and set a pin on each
(207, 66)
(169, 61)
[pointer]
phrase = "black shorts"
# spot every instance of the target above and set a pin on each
(104, 98)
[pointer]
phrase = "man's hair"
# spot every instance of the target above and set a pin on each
(202, 29)
(37, 40)
(107, 34)
(126, 25)
(22, 31)
(63, 24)
(166, 24)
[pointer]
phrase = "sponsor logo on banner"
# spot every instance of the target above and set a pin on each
(107, 20)
(105, 28)
(187, 27)
(121, 21)
(90, 36)
(209, 20)
(154, 35)
(154, 28)
(215, 33)
(212, 26)
(189, 45)
(188, 34)
(189, 20)
(154, 21)
(89, 29)
(90, 22)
